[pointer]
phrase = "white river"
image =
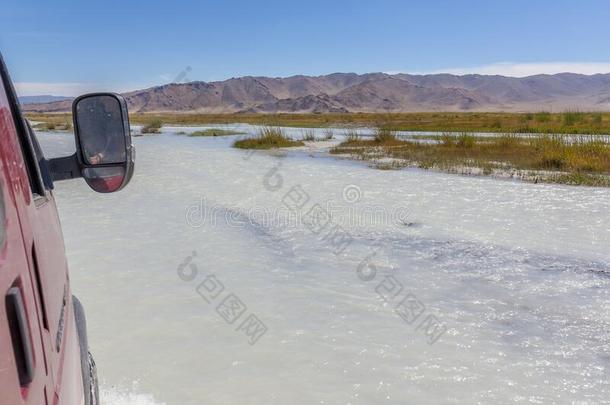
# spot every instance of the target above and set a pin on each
(406, 287)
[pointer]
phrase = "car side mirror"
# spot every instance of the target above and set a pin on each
(104, 154)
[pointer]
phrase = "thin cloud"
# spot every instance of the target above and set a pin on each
(68, 89)
(56, 89)
(504, 69)
(526, 69)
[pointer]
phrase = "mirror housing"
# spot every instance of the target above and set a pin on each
(104, 154)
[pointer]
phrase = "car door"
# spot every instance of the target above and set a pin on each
(24, 371)
(45, 252)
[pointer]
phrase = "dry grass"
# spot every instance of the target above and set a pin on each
(52, 126)
(215, 132)
(55, 122)
(385, 137)
(309, 135)
(584, 160)
(570, 122)
(268, 138)
(352, 136)
(152, 127)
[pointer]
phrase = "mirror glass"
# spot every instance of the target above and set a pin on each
(101, 131)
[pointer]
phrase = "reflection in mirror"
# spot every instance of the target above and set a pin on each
(101, 130)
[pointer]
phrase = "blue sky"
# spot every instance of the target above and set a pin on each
(67, 47)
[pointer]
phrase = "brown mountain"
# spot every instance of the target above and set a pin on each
(373, 92)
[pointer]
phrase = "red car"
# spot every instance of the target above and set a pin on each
(44, 356)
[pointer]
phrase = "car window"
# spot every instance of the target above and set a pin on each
(43, 166)
(25, 141)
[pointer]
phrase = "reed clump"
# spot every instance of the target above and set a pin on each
(153, 127)
(268, 138)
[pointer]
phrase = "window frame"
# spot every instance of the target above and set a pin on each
(28, 153)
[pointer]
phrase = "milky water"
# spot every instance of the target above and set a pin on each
(515, 278)
(368, 132)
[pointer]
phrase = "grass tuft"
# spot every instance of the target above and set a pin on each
(385, 137)
(465, 141)
(153, 127)
(309, 135)
(542, 116)
(570, 118)
(352, 136)
(215, 132)
(268, 138)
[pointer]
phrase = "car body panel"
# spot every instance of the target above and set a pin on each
(32, 257)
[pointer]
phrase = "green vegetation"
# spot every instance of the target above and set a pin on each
(55, 122)
(309, 135)
(571, 118)
(569, 122)
(584, 160)
(215, 132)
(352, 136)
(52, 126)
(539, 123)
(152, 127)
(268, 138)
(385, 137)
(556, 157)
(542, 117)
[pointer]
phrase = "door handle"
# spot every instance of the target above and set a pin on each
(20, 335)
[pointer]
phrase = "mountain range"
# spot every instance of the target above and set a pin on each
(372, 92)
(41, 99)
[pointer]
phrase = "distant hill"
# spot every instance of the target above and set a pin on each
(373, 92)
(41, 99)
